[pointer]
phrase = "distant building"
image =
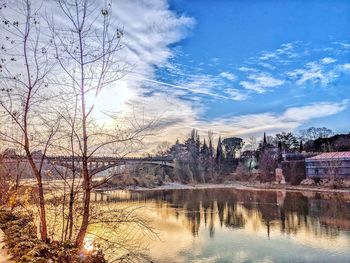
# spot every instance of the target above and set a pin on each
(328, 165)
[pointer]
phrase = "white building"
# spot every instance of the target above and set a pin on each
(328, 165)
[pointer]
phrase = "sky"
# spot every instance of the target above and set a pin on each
(238, 68)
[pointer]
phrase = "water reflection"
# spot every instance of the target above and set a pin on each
(228, 225)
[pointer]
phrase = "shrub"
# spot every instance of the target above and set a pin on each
(241, 173)
(24, 246)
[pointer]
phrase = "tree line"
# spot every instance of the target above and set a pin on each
(198, 160)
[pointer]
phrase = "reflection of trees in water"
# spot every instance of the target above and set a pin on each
(193, 215)
(233, 218)
(287, 212)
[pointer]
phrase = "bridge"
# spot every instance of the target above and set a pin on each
(96, 164)
(99, 164)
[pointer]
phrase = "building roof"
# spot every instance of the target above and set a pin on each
(331, 155)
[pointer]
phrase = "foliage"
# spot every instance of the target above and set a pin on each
(242, 172)
(129, 180)
(287, 141)
(267, 164)
(196, 161)
(294, 171)
(232, 145)
(25, 247)
(219, 153)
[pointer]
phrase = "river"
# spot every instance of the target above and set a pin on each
(230, 225)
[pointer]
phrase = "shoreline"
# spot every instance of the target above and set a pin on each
(5, 257)
(240, 186)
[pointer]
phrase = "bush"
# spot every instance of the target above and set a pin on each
(294, 171)
(267, 164)
(241, 173)
(127, 180)
(24, 246)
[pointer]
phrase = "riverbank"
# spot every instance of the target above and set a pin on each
(243, 186)
(4, 255)
(19, 234)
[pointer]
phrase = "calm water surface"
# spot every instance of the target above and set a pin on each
(228, 225)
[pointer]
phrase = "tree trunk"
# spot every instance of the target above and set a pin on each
(85, 172)
(42, 214)
(86, 213)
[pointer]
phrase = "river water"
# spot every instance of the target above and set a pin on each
(229, 225)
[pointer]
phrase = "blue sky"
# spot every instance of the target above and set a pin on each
(271, 55)
(238, 68)
(233, 67)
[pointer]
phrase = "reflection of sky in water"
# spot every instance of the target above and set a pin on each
(238, 226)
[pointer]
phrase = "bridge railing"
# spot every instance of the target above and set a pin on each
(63, 158)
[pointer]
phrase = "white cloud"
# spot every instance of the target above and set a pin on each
(177, 124)
(346, 67)
(290, 119)
(228, 75)
(236, 94)
(202, 84)
(261, 82)
(268, 55)
(247, 69)
(149, 27)
(267, 65)
(328, 60)
(345, 45)
(313, 111)
(313, 72)
(285, 50)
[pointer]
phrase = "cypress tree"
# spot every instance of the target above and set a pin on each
(219, 153)
(205, 149)
(211, 148)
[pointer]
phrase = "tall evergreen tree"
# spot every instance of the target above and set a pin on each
(197, 145)
(219, 153)
(211, 148)
(205, 150)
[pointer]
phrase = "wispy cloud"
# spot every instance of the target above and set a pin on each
(316, 110)
(228, 75)
(149, 27)
(236, 94)
(176, 124)
(314, 73)
(285, 50)
(261, 82)
(268, 55)
(328, 60)
(247, 69)
(345, 67)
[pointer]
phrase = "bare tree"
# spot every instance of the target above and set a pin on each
(86, 45)
(24, 66)
(314, 133)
